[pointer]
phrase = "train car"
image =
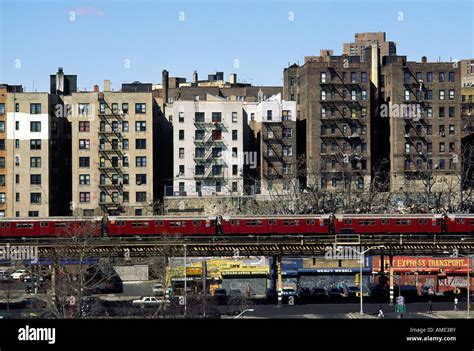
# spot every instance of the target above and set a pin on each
(463, 223)
(49, 227)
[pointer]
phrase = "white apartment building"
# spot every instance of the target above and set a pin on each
(208, 147)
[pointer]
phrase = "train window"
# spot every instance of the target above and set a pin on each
(120, 224)
(24, 225)
(460, 221)
(177, 224)
(290, 222)
(159, 223)
(273, 222)
(366, 222)
(139, 224)
(253, 223)
(385, 221)
(60, 225)
(307, 221)
(43, 224)
(472, 221)
(422, 221)
(348, 221)
(195, 223)
(2, 225)
(235, 222)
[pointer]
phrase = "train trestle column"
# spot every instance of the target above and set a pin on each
(391, 278)
(279, 279)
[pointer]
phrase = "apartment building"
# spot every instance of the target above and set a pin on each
(467, 134)
(424, 99)
(364, 40)
(275, 121)
(333, 97)
(207, 147)
(28, 162)
(112, 152)
(467, 72)
(3, 151)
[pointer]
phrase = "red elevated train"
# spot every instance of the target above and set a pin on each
(239, 225)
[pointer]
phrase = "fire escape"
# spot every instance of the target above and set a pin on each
(111, 159)
(212, 138)
(341, 144)
(414, 125)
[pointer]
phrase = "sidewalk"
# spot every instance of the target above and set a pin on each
(447, 314)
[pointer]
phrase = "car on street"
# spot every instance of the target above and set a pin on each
(335, 294)
(29, 278)
(288, 291)
(220, 295)
(34, 303)
(319, 294)
(19, 274)
(148, 301)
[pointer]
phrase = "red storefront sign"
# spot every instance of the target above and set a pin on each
(407, 264)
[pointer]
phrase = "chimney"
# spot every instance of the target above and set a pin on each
(165, 84)
(106, 85)
(233, 78)
(195, 77)
(96, 88)
(60, 80)
(424, 59)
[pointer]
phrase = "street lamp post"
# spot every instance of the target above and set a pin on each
(241, 313)
(361, 254)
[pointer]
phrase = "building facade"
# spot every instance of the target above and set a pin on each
(112, 152)
(3, 151)
(207, 147)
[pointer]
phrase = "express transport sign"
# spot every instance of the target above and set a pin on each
(425, 264)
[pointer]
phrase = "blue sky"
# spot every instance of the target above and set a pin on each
(39, 36)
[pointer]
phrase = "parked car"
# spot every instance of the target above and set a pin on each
(335, 294)
(19, 274)
(319, 293)
(29, 278)
(220, 295)
(148, 301)
(34, 303)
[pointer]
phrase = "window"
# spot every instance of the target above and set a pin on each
(234, 186)
(2, 109)
(323, 77)
(125, 144)
(2, 144)
(84, 197)
(353, 77)
(35, 144)
(198, 134)
(323, 112)
(287, 132)
(2, 162)
(84, 126)
(125, 127)
(441, 94)
(363, 112)
(35, 126)
(35, 179)
(17, 160)
(287, 169)
(234, 134)
(2, 127)
(429, 147)
(181, 117)
(2, 198)
(199, 152)
(140, 126)
(84, 179)
(442, 164)
(234, 170)
(141, 179)
(441, 131)
(126, 196)
(269, 115)
(218, 187)
(234, 152)
(140, 144)
(353, 95)
(429, 77)
(441, 77)
(84, 162)
(181, 170)
(429, 129)
(140, 108)
(115, 126)
(102, 107)
(451, 129)
(407, 95)
(452, 111)
(2, 180)
(363, 95)
(35, 109)
(429, 112)
(140, 161)
(451, 94)
(451, 76)
(114, 108)
(84, 144)
(234, 117)
(140, 196)
(35, 198)
(17, 125)
(363, 77)
(199, 170)
(407, 148)
(181, 134)
(181, 152)
(31, 213)
(441, 112)
(441, 147)
(269, 133)
(84, 109)
(451, 147)
(17, 179)
(125, 108)
(323, 95)
(429, 95)
(126, 179)
(216, 117)
(287, 150)
(216, 170)
(199, 117)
